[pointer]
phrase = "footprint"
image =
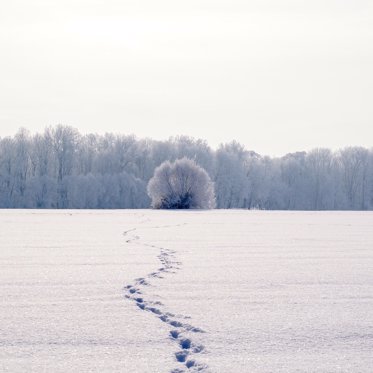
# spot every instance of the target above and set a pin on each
(168, 264)
(174, 334)
(141, 306)
(190, 363)
(185, 344)
(181, 356)
(164, 318)
(176, 324)
(195, 330)
(157, 303)
(198, 349)
(154, 310)
(141, 281)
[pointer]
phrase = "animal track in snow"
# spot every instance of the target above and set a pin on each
(180, 331)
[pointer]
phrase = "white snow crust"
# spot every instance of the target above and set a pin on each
(143, 291)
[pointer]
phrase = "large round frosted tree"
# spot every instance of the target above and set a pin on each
(181, 185)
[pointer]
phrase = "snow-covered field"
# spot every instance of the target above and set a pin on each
(182, 291)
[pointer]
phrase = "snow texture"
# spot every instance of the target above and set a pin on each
(186, 291)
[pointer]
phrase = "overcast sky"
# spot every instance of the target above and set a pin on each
(276, 75)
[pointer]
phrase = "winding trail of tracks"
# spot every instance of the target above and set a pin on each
(180, 331)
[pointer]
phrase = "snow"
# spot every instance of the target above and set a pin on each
(182, 291)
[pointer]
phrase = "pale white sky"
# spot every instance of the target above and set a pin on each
(277, 76)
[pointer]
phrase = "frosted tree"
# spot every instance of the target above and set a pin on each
(230, 180)
(181, 185)
(319, 168)
(65, 141)
(63, 169)
(7, 177)
(354, 163)
(294, 181)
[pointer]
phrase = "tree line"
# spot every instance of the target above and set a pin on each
(61, 168)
